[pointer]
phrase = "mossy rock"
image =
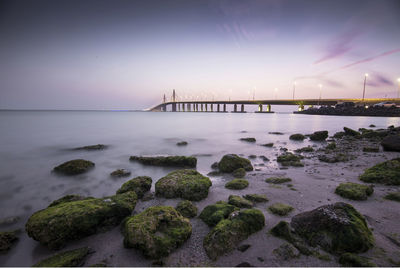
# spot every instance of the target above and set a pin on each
(187, 209)
(240, 202)
(354, 191)
(335, 158)
(68, 198)
(278, 180)
(239, 173)
(120, 173)
(157, 231)
(74, 167)
(337, 228)
(70, 258)
(248, 139)
(237, 184)
(289, 159)
(353, 260)
(286, 252)
(92, 147)
(371, 149)
(69, 220)
(394, 196)
(228, 233)
(169, 161)
(7, 239)
(297, 137)
(282, 230)
(275, 133)
(387, 172)
(339, 135)
(231, 162)
(351, 132)
(140, 185)
(391, 143)
(280, 209)
(185, 183)
(331, 146)
(182, 143)
(306, 149)
(319, 135)
(212, 214)
(268, 144)
(256, 198)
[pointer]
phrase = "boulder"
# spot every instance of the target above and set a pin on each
(319, 135)
(170, 161)
(354, 191)
(7, 239)
(69, 220)
(212, 214)
(228, 233)
(185, 183)
(391, 143)
(156, 232)
(74, 167)
(351, 132)
(68, 198)
(280, 209)
(70, 258)
(119, 173)
(353, 260)
(231, 162)
(187, 209)
(237, 184)
(297, 137)
(248, 139)
(256, 198)
(239, 202)
(387, 172)
(182, 143)
(239, 173)
(140, 185)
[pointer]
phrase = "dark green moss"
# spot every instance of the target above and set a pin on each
(282, 230)
(339, 157)
(157, 231)
(277, 180)
(231, 162)
(387, 172)
(289, 159)
(70, 258)
(319, 135)
(286, 252)
(119, 173)
(187, 209)
(74, 167)
(394, 196)
(354, 191)
(237, 184)
(307, 149)
(240, 202)
(170, 161)
(297, 137)
(68, 198)
(239, 173)
(256, 198)
(331, 146)
(185, 183)
(7, 239)
(339, 135)
(140, 185)
(353, 260)
(248, 139)
(212, 214)
(228, 233)
(280, 209)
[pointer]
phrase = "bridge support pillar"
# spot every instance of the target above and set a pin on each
(164, 108)
(268, 107)
(202, 107)
(260, 108)
(218, 108)
(235, 108)
(242, 108)
(211, 107)
(206, 106)
(224, 108)
(197, 107)
(174, 107)
(183, 107)
(188, 107)
(179, 107)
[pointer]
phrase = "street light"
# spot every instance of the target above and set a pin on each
(294, 88)
(365, 82)
(320, 92)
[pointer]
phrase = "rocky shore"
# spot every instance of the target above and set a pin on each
(353, 111)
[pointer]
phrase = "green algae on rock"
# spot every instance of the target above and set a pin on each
(7, 239)
(354, 191)
(185, 183)
(69, 220)
(228, 233)
(212, 214)
(170, 161)
(297, 137)
(156, 232)
(289, 159)
(231, 162)
(68, 198)
(277, 180)
(119, 173)
(187, 209)
(319, 135)
(140, 185)
(248, 139)
(286, 252)
(239, 173)
(256, 198)
(337, 228)
(353, 260)
(237, 184)
(306, 149)
(387, 172)
(280, 209)
(70, 258)
(74, 167)
(240, 202)
(394, 196)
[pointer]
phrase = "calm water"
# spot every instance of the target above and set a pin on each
(32, 143)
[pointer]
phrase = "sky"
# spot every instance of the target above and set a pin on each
(119, 54)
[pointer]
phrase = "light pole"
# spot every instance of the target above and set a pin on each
(365, 82)
(320, 93)
(294, 88)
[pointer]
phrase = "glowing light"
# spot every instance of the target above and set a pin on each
(366, 75)
(398, 79)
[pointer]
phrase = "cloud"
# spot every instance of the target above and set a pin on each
(379, 80)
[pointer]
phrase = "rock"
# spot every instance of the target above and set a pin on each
(280, 209)
(244, 264)
(268, 144)
(7, 239)
(289, 159)
(387, 172)
(182, 143)
(297, 137)
(212, 214)
(74, 167)
(248, 139)
(339, 157)
(68, 198)
(353, 260)
(252, 156)
(214, 165)
(277, 180)
(256, 198)
(119, 173)
(282, 229)
(185, 183)
(237, 184)
(239, 202)
(215, 173)
(351, 132)
(225, 236)
(371, 134)
(391, 143)
(336, 228)
(372, 125)
(148, 196)
(371, 149)
(69, 220)
(354, 191)
(264, 158)
(239, 173)
(331, 146)
(319, 135)
(243, 248)
(231, 162)
(156, 232)
(307, 149)
(394, 196)
(187, 209)
(286, 252)
(9, 221)
(275, 133)
(92, 147)
(70, 258)
(170, 161)
(140, 185)
(339, 135)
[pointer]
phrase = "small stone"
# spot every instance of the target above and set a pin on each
(256, 197)
(237, 184)
(243, 247)
(278, 180)
(268, 144)
(297, 137)
(119, 173)
(182, 143)
(248, 139)
(280, 209)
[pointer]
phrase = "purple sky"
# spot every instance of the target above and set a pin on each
(127, 54)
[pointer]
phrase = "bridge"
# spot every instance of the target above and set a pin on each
(264, 106)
